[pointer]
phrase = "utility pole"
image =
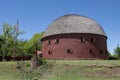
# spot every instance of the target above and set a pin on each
(16, 32)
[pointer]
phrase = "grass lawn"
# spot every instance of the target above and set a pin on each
(8, 71)
(69, 70)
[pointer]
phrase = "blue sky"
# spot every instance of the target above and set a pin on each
(35, 15)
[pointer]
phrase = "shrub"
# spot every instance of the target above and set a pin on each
(35, 73)
(113, 57)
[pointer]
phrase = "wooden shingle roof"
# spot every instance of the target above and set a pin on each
(73, 23)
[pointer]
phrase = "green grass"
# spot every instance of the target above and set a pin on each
(8, 71)
(69, 70)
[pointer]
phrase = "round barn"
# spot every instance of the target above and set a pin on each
(74, 37)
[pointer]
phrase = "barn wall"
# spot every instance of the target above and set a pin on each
(74, 46)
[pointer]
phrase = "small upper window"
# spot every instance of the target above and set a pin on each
(48, 42)
(50, 52)
(93, 40)
(56, 41)
(82, 39)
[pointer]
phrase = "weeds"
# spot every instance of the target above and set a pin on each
(28, 73)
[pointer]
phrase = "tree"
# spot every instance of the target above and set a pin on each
(117, 51)
(8, 39)
(33, 44)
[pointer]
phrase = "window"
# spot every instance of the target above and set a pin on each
(82, 39)
(48, 42)
(50, 52)
(69, 51)
(56, 41)
(101, 51)
(90, 50)
(93, 40)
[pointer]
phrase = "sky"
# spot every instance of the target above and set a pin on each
(36, 15)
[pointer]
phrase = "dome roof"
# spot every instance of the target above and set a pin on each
(73, 23)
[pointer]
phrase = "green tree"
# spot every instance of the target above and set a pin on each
(8, 39)
(117, 51)
(33, 44)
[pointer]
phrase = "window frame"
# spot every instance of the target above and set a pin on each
(50, 52)
(93, 40)
(69, 51)
(56, 41)
(82, 40)
(48, 42)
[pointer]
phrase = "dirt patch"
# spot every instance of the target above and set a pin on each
(102, 66)
(103, 71)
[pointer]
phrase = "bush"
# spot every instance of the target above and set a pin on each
(39, 68)
(42, 60)
(113, 57)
